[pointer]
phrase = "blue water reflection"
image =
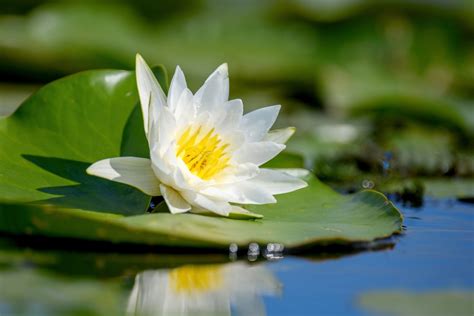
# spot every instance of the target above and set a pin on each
(436, 252)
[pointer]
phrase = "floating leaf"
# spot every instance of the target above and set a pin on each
(400, 303)
(47, 144)
(50, 141)
(462, 188)
(421, 151)
(313, 215)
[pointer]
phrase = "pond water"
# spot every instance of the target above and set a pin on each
(427, 270)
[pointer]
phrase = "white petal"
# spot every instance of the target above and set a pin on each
(231, 116)
(163, 164)
(153, 135)
(161, 138)
(244, 192)
(175, 202)
(203, 119)
(277, 182)
(184, 179)
(201, 201)
(214, 91)
(257, 153)
(217, 193)
(238, 212)
(185, 110)
(295, 172)
(237, 173)
(280, 136)
(177, 86)
(234, 138)
(151, 95)
(166, 130)
(256, 124)
(134, 171)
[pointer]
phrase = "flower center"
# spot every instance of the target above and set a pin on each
(189, 279)
(204, 156)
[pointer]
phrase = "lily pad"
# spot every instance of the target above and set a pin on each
(422, 151)
(49, 142)
(400, 303)
(462, 188)
(313, 215)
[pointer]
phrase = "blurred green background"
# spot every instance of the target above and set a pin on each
(381, 92)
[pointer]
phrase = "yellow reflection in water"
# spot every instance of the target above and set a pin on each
(189, 279)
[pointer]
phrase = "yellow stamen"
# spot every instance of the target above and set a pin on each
(187, 139)
(205, 156)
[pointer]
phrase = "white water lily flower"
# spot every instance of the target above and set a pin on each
(204, 152)
(203, 290)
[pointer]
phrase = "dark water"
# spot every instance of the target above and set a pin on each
(427, 270)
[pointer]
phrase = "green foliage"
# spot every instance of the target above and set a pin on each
(32, 291)
(47, 144)
(399, 303)
(83, 118)
(309, 216)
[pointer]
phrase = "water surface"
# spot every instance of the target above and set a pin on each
(430, 263)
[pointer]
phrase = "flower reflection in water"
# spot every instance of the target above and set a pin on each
(203, 290)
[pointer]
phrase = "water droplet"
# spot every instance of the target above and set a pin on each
(273, 251)
(271, 247)
(253, 252)
(233, 247)
(279, 247)
(368, 184)
(253, 247)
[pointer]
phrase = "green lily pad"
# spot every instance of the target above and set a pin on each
(462, 188)
(401, 303)
(313, 215)
(49, 142)
(421, 151)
